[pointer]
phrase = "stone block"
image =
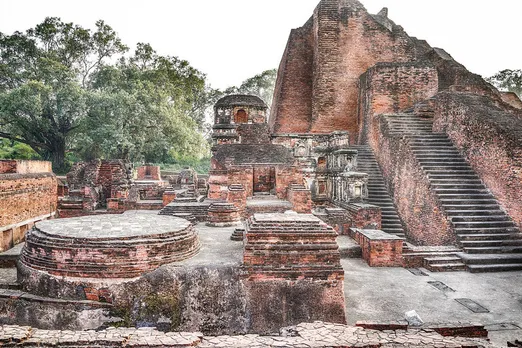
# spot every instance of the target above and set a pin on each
(379, 249)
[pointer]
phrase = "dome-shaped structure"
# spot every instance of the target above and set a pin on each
(241, 100)
(239, 118)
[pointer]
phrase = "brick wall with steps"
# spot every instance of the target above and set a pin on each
(199, 210)
(489, 239)
(377, 192)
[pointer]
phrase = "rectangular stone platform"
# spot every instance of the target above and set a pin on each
(379, 249)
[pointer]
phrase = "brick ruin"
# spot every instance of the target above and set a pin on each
(441, 147)
(28, 192)
(373, 134)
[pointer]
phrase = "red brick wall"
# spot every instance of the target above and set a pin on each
(24, 197)
(390, 88)
(284, 177)
(242, 175)
(149, 173)
(416, 203)
(218, 184)
(263, 178)
(491, 141)
(7, 166)
(292, 104)
(346, 42)
(301, 200)
(380, 252)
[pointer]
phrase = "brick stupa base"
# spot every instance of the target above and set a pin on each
(108, 246)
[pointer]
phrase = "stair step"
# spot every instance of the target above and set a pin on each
(442, 259)
(483, 224)
(494, 250)
(489, 236)
(446, 267)
(495, 268)
(470, 217)
(490, 243)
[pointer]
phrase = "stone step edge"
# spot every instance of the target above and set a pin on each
(9, 294)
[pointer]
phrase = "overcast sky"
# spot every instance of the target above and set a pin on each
(231, 40)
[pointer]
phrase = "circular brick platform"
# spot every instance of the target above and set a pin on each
(108, 246)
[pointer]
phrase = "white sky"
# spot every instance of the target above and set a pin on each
(231, 40)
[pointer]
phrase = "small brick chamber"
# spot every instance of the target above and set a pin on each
(107, 246)
(379, 249)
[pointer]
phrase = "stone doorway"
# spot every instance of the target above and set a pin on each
(264, 179)
(241, 116)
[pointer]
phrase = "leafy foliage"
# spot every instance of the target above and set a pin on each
(261, 85)
(65, 88)
(508, 80)
(14, 150)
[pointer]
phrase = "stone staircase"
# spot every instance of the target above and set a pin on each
(197, 211)
(489, 239)
(377, 193)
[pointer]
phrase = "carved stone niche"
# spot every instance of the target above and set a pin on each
(339, 139)
(349, 187)
(344, 160)
(301, 149)
(187, 177)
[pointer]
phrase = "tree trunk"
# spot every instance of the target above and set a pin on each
(58, 157)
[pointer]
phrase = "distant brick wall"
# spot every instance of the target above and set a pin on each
(24, 167)
(256, 133)
(491, 141)
(24, 198)
(149, 173)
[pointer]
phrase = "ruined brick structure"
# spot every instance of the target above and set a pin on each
(28, 193)
(440, 145)
(97, 184)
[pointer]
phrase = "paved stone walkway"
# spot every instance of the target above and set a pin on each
(316, 334)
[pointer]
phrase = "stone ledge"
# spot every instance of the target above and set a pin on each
(317, 334)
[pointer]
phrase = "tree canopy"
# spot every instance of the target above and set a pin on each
(508, 80)
(261, 85)
(66, 88)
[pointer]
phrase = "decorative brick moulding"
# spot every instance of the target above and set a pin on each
(108, 246)
(379, 249)
(291, 246)
(223, 215)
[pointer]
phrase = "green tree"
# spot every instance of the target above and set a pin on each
(261, 85)
(508, 80)
(43, 75)
(144, 108)
(14, 150)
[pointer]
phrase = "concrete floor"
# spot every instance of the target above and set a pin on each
(385, 294)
